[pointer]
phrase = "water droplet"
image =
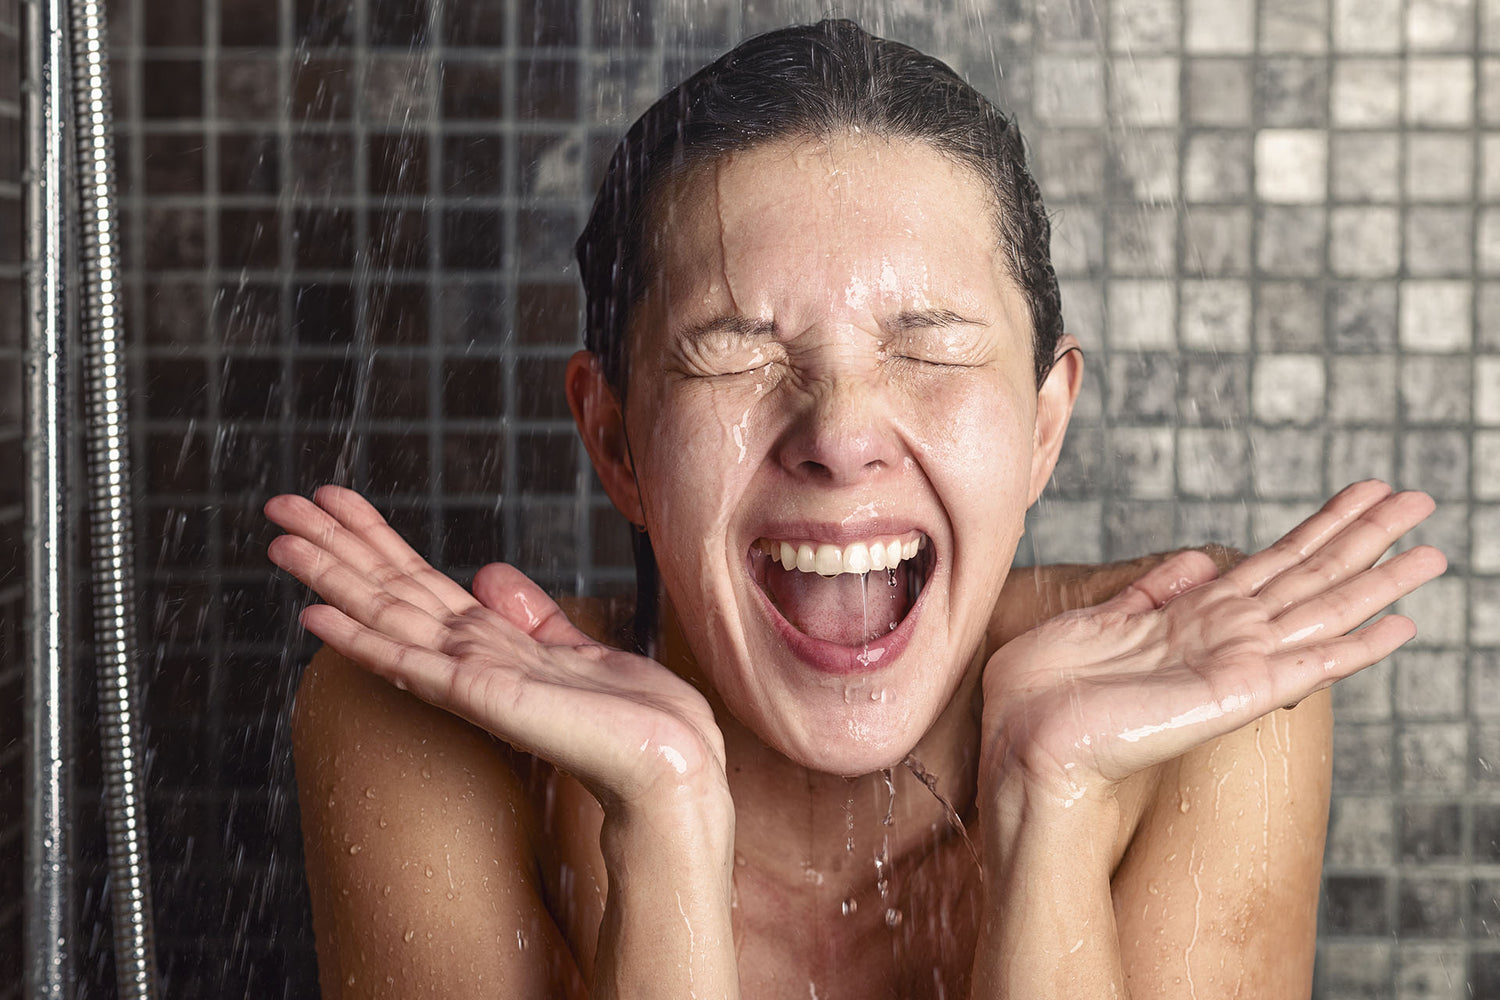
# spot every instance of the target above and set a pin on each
(350, 980)
(893, 918)
(520, 939)
(369, 793)
(851, 906)
(427, 871)
(383, 824)
(386, 891)
(409, 934)
(1183, 805)
(890, 577)
(355, 848)
(426, 771)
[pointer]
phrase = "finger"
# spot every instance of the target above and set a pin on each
(1342, 608)
(305, 519)
(423, 671)
(1164, 581)
(1353, 550)
(359, 516)
(355, 595)
(1298, 673)
(1297, 544)
(512, 595)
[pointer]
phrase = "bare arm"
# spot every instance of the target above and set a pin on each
(1184, 670)
(417, 852)
(641, 740)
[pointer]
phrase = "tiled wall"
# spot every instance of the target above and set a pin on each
(347, 234)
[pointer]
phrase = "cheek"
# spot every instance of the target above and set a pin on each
(977, 448)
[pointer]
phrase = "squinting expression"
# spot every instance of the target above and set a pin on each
(832, 371)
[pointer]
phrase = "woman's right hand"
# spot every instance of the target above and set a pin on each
(505, 658)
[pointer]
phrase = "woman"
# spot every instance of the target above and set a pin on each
(826, 378)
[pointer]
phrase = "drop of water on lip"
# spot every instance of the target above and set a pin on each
(890, 577)
(851, 906)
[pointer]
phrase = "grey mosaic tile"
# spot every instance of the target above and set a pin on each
(1215, 316)
(1142, 387)
(1440, 25)
(1288, 388)
(1431, 972)
(1439, 242)
(1435, 389)
(1219, 523)
(1429, 685)
(1439, 166)
(1145, 25)
(1366, 697)
(1364, 241)
(1292, 92)
(1366, 25)
(1143, 166)
(1350, 969)
(1484, 611)
(1069, 90)
(1355, 905)
(1366, 166)
(1439, 90)
(1138, 526)
(1220, 26)
(1294, 25)
(1289, 316)
(1216, 167)
(1361, 831)
(1489, 91)
(1144, 91)
(1291, 166)
(1141, 315)
(1211, 463)
(1434, 756)
(1220, 92)
(1286, 462)
(1142, 241)
(1213, 391)
(1141, 462)
(1070, 163)
(1215, 243)
(1366, 93)
(1436, 315)
(1487, 244)
(1363, 757)
(1290, 240)
(1484, 664)
(1486, 759)
(1484, 909)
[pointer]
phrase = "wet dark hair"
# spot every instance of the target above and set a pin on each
(814, 81)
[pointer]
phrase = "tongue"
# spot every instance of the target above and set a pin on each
(842, 609)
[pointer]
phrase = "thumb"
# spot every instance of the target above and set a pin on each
(513, 596)
(1170, 578)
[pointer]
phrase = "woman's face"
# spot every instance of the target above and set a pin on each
(834, 366)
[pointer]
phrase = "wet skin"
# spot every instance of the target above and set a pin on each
(874, 374)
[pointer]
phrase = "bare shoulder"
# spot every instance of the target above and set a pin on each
(1218, 884)
(419, 847)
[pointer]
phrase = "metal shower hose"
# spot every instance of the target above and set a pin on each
(111, 537)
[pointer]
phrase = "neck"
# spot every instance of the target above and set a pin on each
(794, 823)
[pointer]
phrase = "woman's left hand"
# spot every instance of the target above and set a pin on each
(1184, 655)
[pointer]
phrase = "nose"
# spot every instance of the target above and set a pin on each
(842, 434)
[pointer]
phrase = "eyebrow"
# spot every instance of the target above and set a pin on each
(918, 319)
(743, 326)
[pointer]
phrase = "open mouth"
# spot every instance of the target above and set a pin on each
(851, 595)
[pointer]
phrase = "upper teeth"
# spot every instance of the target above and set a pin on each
(831, 560)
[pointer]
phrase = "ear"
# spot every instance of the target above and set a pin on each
(601, 424)
(1054, 407)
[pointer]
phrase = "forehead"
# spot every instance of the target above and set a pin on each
(818, 224)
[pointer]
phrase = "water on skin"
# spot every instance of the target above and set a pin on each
(930, 781)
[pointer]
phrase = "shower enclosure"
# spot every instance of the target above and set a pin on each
(345, 229)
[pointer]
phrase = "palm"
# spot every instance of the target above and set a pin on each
(505, 657)
(1182, 656)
